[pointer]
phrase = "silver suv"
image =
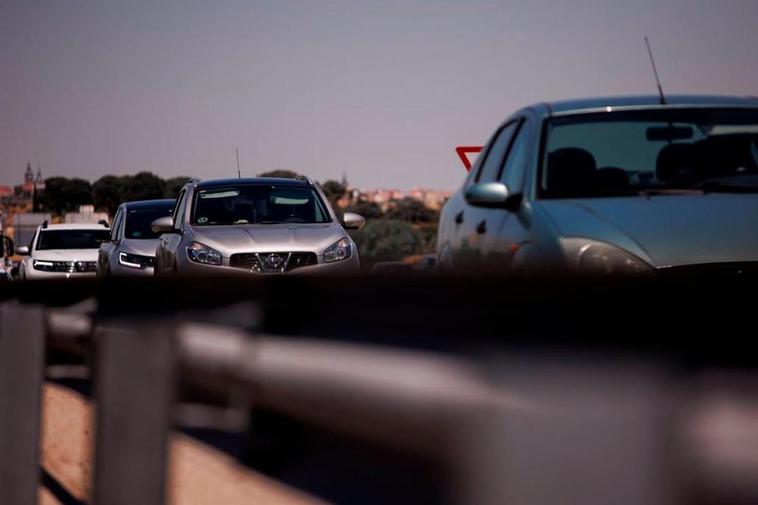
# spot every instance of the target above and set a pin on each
(130, 250)
(257, 225)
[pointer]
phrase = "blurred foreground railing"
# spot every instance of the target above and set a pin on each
(549, 392)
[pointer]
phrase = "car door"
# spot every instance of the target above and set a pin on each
(469, 249)
(105, 253)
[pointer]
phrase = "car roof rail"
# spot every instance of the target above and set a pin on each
(304, 179)
(103, 222)
(193, 180)
(44, 224)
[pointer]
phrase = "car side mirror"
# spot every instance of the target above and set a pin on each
(493, 195)
(163, 225)
(22, 250)
(352, 221)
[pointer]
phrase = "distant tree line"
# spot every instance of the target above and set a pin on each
(64, 194)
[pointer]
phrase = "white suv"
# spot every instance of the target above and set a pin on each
(62, 251)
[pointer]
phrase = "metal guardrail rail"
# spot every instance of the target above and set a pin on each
(511, 424)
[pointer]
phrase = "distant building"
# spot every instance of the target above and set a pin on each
(432, 199)
(25, 224)
(24, 197)
(39, 182)
(86, 214)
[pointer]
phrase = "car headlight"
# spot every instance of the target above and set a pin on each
(340, 250)
(45, 266)
(594, 257)
(201, 253)
(135, 260)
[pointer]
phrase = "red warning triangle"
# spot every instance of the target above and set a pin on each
(464, 151)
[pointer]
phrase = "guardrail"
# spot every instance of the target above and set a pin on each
(537, 393)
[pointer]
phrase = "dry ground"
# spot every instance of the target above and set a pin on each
(198, 474)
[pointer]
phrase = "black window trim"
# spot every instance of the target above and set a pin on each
(521, 120)
(180, 202)
(495, 137)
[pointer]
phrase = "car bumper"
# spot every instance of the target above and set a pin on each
(33, 275)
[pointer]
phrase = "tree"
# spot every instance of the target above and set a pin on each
(63, 195)
(333, 190)
(412, 211)
(108, 193)
(369, 210)
(285, 174)
(174, 185)
(143, 186)
(387, 240)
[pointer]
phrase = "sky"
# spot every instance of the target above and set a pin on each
(381, 91)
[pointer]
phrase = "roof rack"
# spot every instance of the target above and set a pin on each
(304, 178)
(104, 223)
(44, 224)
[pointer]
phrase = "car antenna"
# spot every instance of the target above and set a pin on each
(655, 72)
(237, 152)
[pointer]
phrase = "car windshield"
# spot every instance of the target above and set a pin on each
(258, 204)
(138, 222)
(71, 239)
(672, 151)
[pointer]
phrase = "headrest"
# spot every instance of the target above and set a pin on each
(570, 172)
(726, 155)
(677, 164)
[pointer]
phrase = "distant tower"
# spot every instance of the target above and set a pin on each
(28, 185)
(39, 182)
(344, 179)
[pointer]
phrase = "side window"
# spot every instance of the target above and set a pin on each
(512, 174)
(178, 216)
(116, 225)
(494, 158)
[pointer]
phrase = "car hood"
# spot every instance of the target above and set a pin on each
(143, 247)
(66, 255)
(269, 237)
(666, 230)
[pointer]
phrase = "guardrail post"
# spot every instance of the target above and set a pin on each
(22, 360)
(134, 389)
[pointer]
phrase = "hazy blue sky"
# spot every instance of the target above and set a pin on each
(381, 90)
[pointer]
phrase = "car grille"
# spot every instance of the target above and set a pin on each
(67, 266)
(273, 261)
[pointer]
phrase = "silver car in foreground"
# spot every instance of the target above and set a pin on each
(62, 251)
(130, 250)
(612, 185)
(258, 226)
